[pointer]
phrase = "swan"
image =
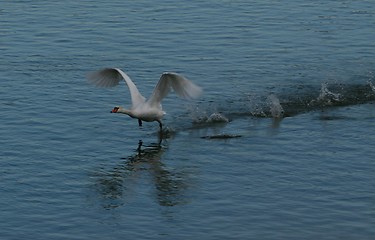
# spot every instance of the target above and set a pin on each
(146, 110)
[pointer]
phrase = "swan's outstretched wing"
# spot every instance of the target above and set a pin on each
(110, 77)
(182, 86)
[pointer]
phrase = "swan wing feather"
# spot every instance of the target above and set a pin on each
(110, 77)
(183, 87)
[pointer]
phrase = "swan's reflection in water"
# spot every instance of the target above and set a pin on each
(136, 174)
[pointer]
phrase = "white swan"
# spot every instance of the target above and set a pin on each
(150, 110)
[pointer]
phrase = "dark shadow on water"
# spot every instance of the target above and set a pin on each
(131, 179)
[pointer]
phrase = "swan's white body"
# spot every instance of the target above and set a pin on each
(146, 110)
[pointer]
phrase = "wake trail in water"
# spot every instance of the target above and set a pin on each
(287, 103)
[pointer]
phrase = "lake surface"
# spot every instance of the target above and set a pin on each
(279, 146)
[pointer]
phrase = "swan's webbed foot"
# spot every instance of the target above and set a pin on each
(140, 122)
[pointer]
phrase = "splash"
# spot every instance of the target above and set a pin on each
(255, 106)
(213, 118)
(372, 86)
(217, 118)
(328, 96)
(205, 116)
(276, 110)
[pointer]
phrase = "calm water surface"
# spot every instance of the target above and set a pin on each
(280, 146)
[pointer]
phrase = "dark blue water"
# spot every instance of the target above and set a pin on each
(280, 146)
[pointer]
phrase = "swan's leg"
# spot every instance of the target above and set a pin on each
(160, 125)
(140, 122)
(160, 132)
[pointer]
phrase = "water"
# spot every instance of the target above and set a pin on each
(280, 146)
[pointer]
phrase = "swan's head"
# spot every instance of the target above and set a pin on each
(115, 109)
(122, 110)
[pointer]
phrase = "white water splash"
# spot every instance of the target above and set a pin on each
(328, 96)
(200, 116)
(213, 118)
(217, 118)
(372, 86)
(255, 108)
(276, 109)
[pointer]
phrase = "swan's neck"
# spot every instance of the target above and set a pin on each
(125, 111)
